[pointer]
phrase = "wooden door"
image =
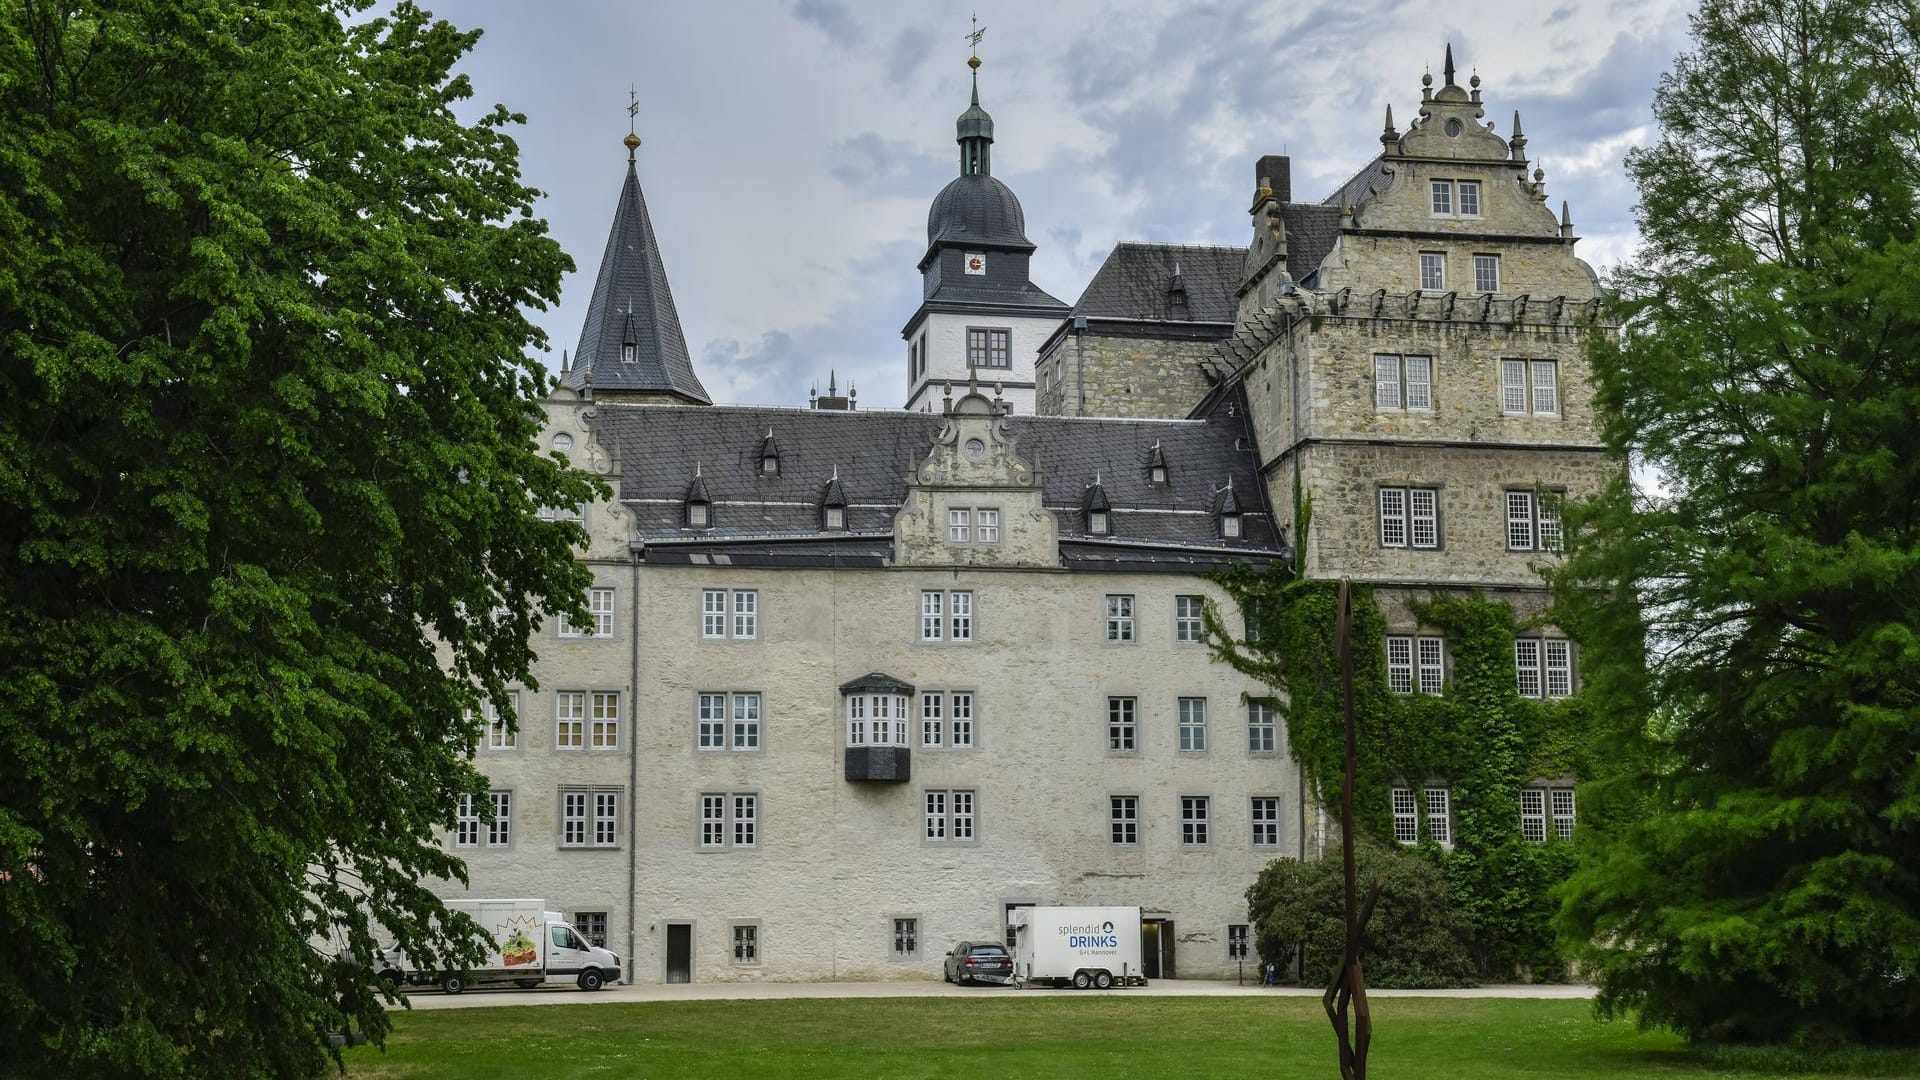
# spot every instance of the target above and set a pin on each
(679, 952)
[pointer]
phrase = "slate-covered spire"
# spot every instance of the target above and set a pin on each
(632, 304)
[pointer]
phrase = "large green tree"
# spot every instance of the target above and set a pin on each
(268, 528)
(1755, 873)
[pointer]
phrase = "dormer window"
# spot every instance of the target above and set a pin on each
(833, 504)
(769, 456)
(1097, 523)
(1230, 526)
(1156, 464)
(835, 518)
(699, 507)
(1228, 513)
(1098, 511)
(626, 353)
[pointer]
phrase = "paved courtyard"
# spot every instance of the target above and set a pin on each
(725, 991)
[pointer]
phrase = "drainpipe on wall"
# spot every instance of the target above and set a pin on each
(633, 773)
(1080, 361)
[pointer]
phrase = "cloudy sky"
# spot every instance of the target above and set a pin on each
(791, 149)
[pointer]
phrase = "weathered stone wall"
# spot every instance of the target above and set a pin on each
(1345, 478)
(1125, 376)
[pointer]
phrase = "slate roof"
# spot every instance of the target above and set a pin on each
(1371, 178)
(772, 518)
(631, 297)
(977, 209)
(1311, 230)
(1135, 282)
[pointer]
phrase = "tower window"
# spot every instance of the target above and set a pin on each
(989, 347)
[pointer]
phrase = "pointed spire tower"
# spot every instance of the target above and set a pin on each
(631, 345)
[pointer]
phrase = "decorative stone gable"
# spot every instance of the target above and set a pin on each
(973, 500)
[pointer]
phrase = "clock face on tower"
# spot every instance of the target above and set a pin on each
(976, 264)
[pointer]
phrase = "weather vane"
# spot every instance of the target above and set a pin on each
(632, 140)
(973, 39)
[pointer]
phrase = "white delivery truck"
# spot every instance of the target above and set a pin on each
(531, 947)
(1084, 946)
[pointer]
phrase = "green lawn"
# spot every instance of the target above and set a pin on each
(1042, 1036)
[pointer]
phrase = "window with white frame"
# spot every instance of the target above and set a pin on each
(500, 734)
(710, 722)
(1237, 941)
(1533, 522)
(1402, 382)
(729, 819)
(877, 719)
(1193, 723)
(1543, 667)
(949, 815)
(1123, 819)
(570, 719)
(466, 823)
(986, 525)
(959, 525)
(1453, 198)
(1440, 815)
(1406, 816)
(589, 817)
(1433, 271)
(1441, 197)
(1533, 815)
(1119, 617)
(1121, 726)
(730, 613)
(1194, 820)
(500, 829)
(1561, 803)
(1410, 517)
(1262, 726)
(592, 925)
(1486, 273)
(575, 514)
(600, 606)
(746, 943)
(946, 719)
(1415, 663)
(1189, 619)
(1266, 821)
(604, 733)
(946, 616)
(1469, 193)
(1529, 386)
(906, 938)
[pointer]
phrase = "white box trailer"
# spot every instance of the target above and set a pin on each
(529, 946)
(1078, 946)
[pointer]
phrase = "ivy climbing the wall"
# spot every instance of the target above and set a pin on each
(1478, 738)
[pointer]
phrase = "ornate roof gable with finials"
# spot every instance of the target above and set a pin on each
(632, 306)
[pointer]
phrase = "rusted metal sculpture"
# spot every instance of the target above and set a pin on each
(1348, 990)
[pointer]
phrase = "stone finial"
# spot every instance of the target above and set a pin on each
(1388, 136)
(1518, 144)
(566, 364)
(1447, 68)
(1566, 219)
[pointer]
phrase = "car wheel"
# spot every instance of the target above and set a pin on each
(1081, 980)
(526, 984)
(1102, 980)
(591, 980)
(452, 983)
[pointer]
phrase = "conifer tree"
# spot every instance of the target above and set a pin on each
(1753, 874)
(268, 515)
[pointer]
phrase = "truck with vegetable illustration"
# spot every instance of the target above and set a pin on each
(530, 946)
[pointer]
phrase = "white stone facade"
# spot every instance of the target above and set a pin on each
(941, 338)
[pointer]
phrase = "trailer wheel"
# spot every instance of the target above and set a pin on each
(452, 982)
(526, 984)
(1081, 980)
(1102, 980)
(591, 980)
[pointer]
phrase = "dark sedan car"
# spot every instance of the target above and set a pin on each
(976, 961)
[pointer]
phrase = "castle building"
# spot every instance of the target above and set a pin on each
(859, 682)
(982, 317)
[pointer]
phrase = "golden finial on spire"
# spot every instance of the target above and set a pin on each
(632, 140)
(973, 40)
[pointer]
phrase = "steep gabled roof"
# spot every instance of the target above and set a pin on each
(1136, 283)
(631, 301)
